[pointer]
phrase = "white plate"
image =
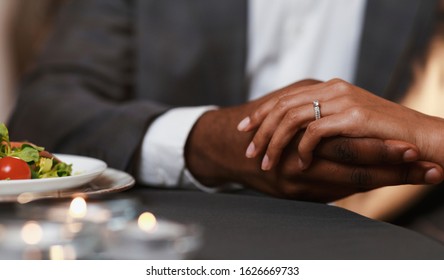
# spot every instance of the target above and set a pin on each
(84, 169)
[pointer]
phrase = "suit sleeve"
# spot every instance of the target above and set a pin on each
(79, 97)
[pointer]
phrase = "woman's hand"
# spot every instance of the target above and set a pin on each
(346, 110)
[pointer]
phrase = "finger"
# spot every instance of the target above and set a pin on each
(277, 134)
(290, 111)
(268, 127)
(366, 151)
(301, 94)
(288, 115)
(327, 181)
(293, 121)
(256, 117)
(263, 135)
(349, 123)
(364, 178)
(291, 96)
(334, 125)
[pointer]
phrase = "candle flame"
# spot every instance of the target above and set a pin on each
(78, 208)
(147, 221)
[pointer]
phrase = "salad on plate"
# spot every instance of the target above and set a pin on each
(24, 160)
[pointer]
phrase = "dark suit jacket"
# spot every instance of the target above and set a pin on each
(111, 66)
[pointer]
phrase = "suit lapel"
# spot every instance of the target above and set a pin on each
(392, 31)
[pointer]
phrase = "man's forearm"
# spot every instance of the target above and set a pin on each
(214, 149)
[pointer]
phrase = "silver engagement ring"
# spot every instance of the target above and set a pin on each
(317, 109)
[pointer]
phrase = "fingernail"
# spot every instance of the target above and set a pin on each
(243, 124)
(410, 155)
(265, 163)
(250, 150)
(301, 164)
(433, 176)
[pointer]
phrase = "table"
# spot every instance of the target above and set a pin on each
(244, 226)
(252, 226)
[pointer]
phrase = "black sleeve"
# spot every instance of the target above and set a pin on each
(78, 99)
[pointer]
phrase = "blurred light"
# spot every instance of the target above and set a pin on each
(72, 227)
(147, 221)
(32, 233)
(78, 208)
(98, 214)
(58, 252)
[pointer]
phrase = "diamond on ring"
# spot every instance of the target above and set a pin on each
(317, 109)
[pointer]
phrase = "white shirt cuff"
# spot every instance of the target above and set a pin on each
(162, 160)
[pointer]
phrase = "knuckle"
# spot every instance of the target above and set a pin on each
(335, 81)
(342, 86)
(257, 115)
(261, 137)
(312, 129)
(345, 150)
(292, 116)
(285, 92)
(282, 104)
(356, 113)
(273, 149)
(361, 178)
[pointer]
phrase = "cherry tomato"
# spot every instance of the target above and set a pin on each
(14, 168)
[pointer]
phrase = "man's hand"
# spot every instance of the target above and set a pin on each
(215, 154)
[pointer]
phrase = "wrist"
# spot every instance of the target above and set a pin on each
(214, 151)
